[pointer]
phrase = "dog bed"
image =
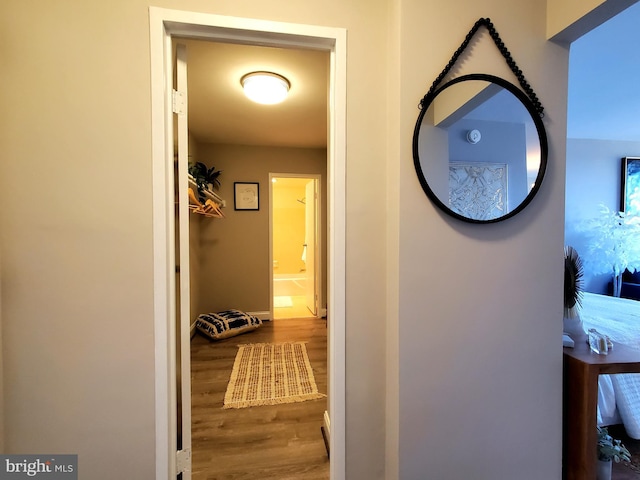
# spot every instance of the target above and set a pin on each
(228, 323)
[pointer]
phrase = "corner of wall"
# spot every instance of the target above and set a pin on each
(394, 149)
(568, 20)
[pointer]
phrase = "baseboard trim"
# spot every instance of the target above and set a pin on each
(261, 315)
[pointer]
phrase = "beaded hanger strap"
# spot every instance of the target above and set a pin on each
(505, 53)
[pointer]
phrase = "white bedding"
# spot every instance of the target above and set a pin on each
(618, 395)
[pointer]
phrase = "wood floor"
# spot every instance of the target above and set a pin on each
(626, 471)
(269, 442)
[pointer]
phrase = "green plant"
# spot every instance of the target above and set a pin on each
(204, 176)
(611, 449)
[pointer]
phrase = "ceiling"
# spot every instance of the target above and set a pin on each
(219, 112)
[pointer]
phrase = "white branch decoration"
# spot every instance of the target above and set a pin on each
(613, 240)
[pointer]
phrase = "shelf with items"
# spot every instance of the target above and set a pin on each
(212, 205)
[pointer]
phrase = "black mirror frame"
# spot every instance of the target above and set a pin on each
(537, 120)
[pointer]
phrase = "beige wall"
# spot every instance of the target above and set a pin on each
(562, 13)
(236, 248)
(480, 359)
(473, 376)
(78, 282)
(195, 220)
(77, 250)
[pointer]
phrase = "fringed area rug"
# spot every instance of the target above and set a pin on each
(270, 374)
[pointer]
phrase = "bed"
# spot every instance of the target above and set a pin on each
(618, 395)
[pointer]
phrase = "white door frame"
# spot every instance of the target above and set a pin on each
(183, 312)
(319, 242)
(163, 25)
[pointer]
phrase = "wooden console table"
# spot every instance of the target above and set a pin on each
(581, 370)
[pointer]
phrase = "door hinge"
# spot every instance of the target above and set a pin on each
(178, 105)
(183, 460)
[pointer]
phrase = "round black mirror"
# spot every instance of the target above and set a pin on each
(479, 148)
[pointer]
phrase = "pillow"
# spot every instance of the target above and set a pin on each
(228, 323)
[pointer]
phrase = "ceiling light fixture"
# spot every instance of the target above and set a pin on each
(265, 87)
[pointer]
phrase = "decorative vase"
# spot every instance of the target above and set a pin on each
(603, 471)
(573, 327)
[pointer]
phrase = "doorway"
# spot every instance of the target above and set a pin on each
(164, 26)
(295, 246)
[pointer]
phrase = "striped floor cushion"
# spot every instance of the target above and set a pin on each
(226, 324)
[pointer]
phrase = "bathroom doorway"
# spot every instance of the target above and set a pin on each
(295, 246)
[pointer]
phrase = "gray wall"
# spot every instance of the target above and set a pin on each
(234, 251)
(593, 178)
(501, 142)
(602, 126)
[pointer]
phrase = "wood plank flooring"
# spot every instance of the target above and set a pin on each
(622, 470)
(269, 442)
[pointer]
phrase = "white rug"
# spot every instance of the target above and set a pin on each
(271, 374)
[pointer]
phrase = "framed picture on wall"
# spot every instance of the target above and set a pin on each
(478, 190)
(630, 186)
(246, 195)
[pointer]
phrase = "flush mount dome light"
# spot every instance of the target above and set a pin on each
(265, 87)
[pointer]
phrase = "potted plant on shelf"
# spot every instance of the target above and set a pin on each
(573, 281)
(609, 449)
(205, 178)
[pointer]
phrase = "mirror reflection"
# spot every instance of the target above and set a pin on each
(479, 148)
